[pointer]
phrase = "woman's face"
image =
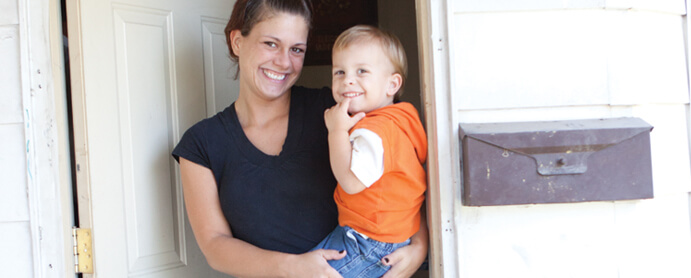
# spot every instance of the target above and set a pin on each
(271, 56)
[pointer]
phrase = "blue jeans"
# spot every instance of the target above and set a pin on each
(363, 258)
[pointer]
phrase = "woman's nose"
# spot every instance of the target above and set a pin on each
(282, 59)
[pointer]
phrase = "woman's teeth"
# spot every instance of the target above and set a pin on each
(274, 76)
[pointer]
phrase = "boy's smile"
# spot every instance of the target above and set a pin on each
(353, 94)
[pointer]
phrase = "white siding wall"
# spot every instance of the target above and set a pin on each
(555, 60)
(31, 241)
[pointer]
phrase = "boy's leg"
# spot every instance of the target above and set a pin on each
(363, 258)
(372, 252)
(338, 240)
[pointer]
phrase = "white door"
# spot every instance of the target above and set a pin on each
(143, 71)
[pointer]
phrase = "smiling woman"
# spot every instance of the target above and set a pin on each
(272, 55)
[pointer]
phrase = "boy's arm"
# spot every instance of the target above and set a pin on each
(340, 151)
(339, 122)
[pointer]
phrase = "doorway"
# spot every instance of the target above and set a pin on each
(395, 16)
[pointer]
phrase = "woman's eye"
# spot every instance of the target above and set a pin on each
(270, 44)
(298, 50)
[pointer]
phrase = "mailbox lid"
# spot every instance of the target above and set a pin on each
(532, 135)
(556, 161)
(558, 147)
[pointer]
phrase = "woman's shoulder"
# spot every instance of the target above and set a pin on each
(201, 141)
(213, 126)
(219, 120)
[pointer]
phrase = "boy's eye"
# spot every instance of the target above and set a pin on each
(338, 72)
(361, 71)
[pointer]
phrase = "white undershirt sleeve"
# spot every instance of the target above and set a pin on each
(367, 159)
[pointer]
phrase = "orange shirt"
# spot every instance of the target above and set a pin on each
(389, 210)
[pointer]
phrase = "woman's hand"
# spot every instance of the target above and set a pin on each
(404, 262)
(313, 264)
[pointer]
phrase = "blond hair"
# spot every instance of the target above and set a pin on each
(389, 43)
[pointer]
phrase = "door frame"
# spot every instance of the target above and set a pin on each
(79, 128)
(687, 23)
(443, 159)
(79, 133)
(64, 163)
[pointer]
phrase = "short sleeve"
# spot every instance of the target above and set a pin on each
(193, 147)
(367, 159)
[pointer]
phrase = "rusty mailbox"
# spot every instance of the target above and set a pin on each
(556, 161)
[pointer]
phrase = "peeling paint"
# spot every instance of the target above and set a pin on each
(28, 143)
(28, 160)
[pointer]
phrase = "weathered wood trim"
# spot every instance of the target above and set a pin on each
(443, 157)
(63, 140)
(41, 133)
(79, 124)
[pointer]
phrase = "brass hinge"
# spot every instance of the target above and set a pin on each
(81, 247)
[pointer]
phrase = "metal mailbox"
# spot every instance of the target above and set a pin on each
(556, 161)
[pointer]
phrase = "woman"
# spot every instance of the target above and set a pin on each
(256, 178)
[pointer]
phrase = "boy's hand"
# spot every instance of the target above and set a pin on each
(337, 118)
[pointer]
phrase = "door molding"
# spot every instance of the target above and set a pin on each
(81, 155)
(83, 210)
(443, 159)
(64, 164)
(45, 131)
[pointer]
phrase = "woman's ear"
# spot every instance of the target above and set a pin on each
(395, 83)
(235, 40)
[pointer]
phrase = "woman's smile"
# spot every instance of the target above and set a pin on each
(274, 75)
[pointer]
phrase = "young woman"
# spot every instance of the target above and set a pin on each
(256, 177)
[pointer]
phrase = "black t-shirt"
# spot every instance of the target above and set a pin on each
(282, 203)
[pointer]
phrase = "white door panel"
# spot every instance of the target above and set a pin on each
(150, 69)
(219, 71)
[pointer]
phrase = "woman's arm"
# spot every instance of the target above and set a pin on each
(406, 260)
(233, 256)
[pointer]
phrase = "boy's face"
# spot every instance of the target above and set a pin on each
(363, 73)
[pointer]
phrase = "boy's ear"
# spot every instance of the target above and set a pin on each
(395, 83)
